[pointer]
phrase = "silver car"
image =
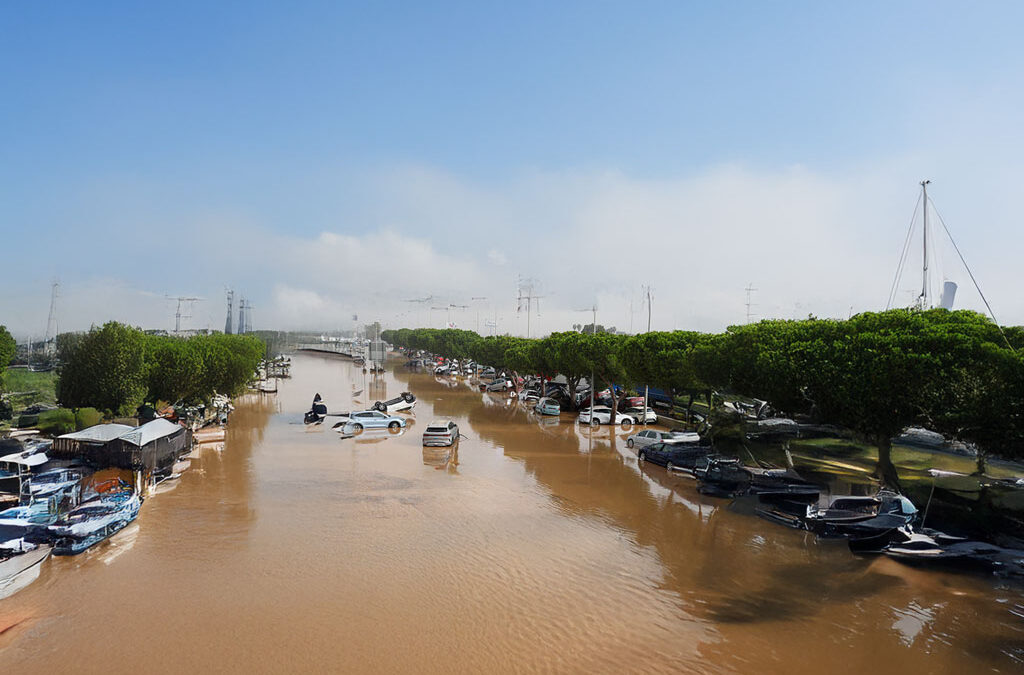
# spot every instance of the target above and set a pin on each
(648, 436)
(441, 433)
(373, 419)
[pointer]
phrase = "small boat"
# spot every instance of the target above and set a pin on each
(16, 468)
(318, 412)
(781, 485)
(93, 521)
(933, 548)
(847, 514)
(56, 480)
(721, 476)
(20, 560)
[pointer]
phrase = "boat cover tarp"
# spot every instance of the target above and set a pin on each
(9, 532)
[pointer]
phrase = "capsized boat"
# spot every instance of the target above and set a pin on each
(93, 521)
(318, 411)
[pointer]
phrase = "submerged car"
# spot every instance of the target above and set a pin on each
(672, 456)
(372, 419)
(440, 433)
(649, 436)
(603, 415)
(547, 406)
(637, 412)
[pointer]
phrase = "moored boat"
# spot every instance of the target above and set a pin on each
(20, 561)
(93, 521)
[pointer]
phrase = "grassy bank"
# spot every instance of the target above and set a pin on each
(26, 387)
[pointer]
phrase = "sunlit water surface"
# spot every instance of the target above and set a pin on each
(536, 546)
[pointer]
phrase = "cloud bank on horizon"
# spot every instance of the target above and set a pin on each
(411, 229)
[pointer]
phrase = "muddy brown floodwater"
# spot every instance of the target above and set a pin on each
(536, 546)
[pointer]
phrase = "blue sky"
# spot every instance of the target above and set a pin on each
(151, 150)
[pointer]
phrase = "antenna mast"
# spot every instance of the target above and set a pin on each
(50, 343)
(924, 269)
(750, 289)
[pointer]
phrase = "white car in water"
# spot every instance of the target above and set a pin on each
(441, 433)
(603, 415)
(406, 401)
(638, 413)
(370, 419)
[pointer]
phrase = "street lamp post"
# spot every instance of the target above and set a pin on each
(647, 290)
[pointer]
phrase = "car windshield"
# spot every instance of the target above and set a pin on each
(437, 430)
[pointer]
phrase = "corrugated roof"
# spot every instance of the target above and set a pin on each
(101, 433)
(150, 431)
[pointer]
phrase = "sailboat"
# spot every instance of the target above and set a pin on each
(927, 298)
(930, 296)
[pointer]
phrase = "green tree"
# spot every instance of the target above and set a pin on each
(175, 370)
(602, 354)
(107, 370)
(8, 347)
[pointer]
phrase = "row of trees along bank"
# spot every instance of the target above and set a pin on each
(116, 368)
(955, 372)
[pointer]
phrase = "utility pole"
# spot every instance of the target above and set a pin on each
(50, 343)
(474, 299)
(450, 307)
(231, 307)
(526, 294)
(647, 294)
(178, 314)
(593, 331)
(750, 289)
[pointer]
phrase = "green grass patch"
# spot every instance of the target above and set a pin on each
(30, 387)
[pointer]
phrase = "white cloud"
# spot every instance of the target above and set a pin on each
(811, 243)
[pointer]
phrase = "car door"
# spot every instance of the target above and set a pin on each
(376, 420)
(656, 453)
(645, 438)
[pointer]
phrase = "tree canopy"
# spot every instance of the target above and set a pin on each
(875, 374)
(8, 348)
(117, 367)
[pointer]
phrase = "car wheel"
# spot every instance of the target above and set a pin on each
(594, 422)
(642, 456)
(394, 426)
(670, 467)
(626, 422)
(629, 443)
(357, 427)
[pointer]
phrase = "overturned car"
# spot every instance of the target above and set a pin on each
(405, 401)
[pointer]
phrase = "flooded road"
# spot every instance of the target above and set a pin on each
(536, 546)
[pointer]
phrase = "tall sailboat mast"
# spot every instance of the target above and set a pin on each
(924, 272)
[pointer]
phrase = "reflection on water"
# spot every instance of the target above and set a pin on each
(531, 545)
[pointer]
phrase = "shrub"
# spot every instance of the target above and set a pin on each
(87, 417)
(59, 421)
